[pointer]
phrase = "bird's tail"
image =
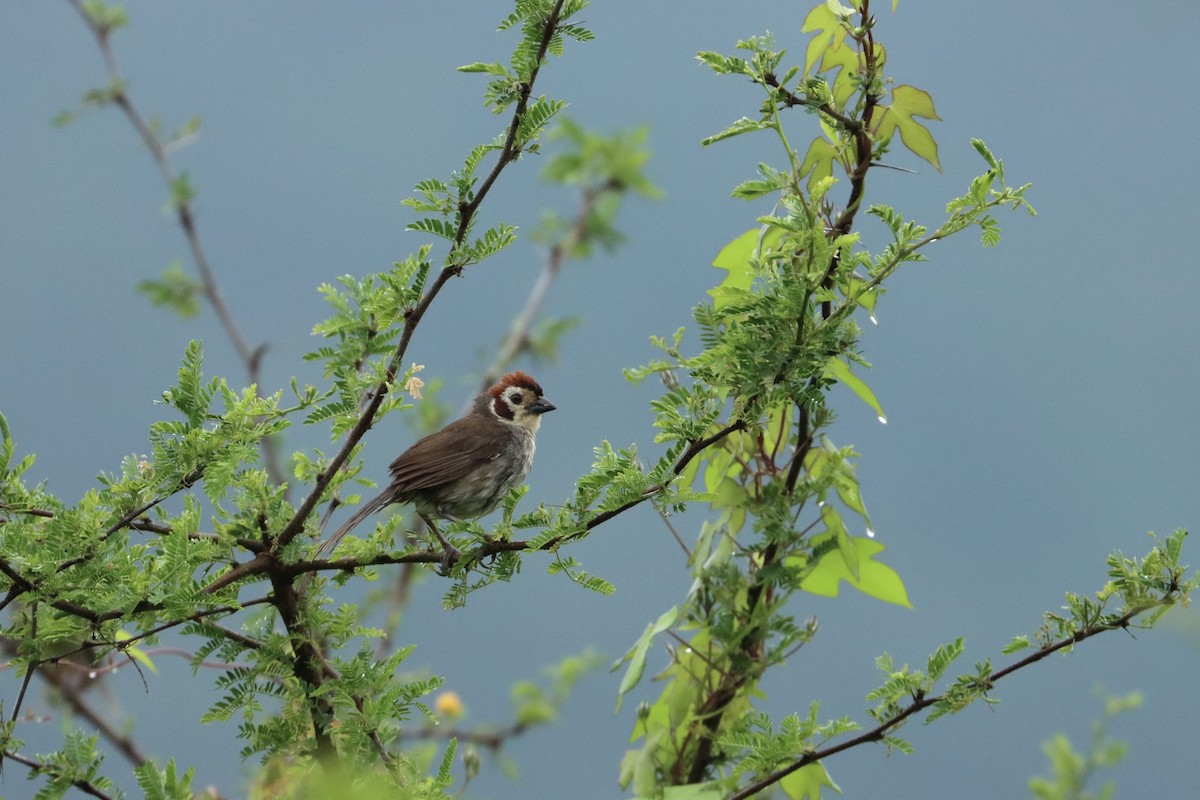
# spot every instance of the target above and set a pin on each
(368, 508)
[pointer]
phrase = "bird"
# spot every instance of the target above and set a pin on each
(465, 469)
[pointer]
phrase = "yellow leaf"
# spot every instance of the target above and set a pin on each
(845, 542)
(736, 257)
(874, 578)
(909, 102)
(846, 60)
(136, 653)
(819, 161)
(830, 35)
(806, 782)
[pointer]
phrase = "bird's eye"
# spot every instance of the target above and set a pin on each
(515, 398)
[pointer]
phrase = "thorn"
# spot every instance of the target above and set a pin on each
(898, 169)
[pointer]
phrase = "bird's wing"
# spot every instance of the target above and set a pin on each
(447, 455)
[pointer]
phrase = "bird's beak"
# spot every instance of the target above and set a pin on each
(541, 406)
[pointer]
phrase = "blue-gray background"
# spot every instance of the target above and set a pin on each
(1041, 396)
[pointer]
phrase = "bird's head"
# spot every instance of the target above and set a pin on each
(517, 399)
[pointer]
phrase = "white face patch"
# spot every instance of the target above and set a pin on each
(518, 401)
(530, 422)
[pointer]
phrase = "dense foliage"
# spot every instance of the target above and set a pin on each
(232, 562)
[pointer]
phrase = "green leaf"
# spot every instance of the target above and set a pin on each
(839, 370)
(845, 543)
(743, 125)
(734, 258)
(1017, 644)
(874, 578)
(982, 149)
(135, 652)
(191, 398)
(578, 33)
(480, 66)
(536, 116)
(851, 496)
(838, 9)
(737, 259)
(818, 161)
(846, 61)
(164, 785)
(693, 791)
(637, 654)
(806, 783)
(569, 567)
(182, 191)
(639, 767)
(432, 225)
(772, 181)
(942, 658)
(493, 241)
(174, 289)
(721, 64)
(748, 190)
(830, 35)
(909, 102)
(865, 298)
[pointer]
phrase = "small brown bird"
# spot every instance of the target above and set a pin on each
(466, 468)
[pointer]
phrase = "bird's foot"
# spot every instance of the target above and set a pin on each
(451, 555)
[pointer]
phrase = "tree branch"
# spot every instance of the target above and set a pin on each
(74, 698)
(44, 768)
(919, 704)
(467, 214)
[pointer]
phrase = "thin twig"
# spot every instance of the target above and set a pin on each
(493, 740)
(147, 526)
(518, 335)
(250, 356)
(79, 706)
(675, 534)
(162, 158)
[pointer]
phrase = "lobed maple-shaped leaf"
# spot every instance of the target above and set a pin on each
(908, 103)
